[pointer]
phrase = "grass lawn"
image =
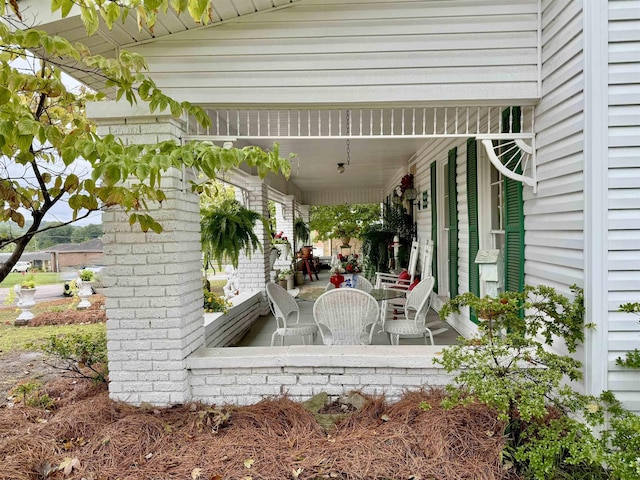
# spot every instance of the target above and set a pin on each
(17, 338)
(41, 278)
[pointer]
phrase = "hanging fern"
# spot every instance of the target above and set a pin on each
(227, 230)
(301, 231)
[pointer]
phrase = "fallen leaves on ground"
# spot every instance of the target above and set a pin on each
(273, 439)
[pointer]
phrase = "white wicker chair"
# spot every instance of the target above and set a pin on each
(363, 284)
(415, 315)
(343, 315)
(287, 315)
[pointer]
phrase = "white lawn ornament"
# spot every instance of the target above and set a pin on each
(232, 287)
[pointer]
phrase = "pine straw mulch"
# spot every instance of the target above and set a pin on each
(64, 313)
(273, 439)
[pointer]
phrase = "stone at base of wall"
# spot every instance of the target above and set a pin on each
(246, 375)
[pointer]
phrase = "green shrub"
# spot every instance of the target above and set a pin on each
(30, 393)
(215, 303)
(632, 359)
(83, 355)
(510, 367)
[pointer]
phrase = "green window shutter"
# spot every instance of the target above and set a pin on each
(472, 203)
(513, 216)
(434, 226)
(453, 224)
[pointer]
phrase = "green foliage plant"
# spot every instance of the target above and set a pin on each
(301, 230)
(28, 282)
(45, 134)
(228, 229)
(284, 273)
(510, 367)
(87, 275)
(215, 303)
(80, 354)
(332, 221)
(631, 359)
(375, 249)
(31, 394)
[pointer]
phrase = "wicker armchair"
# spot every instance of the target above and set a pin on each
(415, 315)
(287, 315)
(343, 316)
(363, 284)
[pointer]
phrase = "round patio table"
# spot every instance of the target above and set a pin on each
(311, 294)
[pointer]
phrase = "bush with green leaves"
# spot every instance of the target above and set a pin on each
(31, 394)
(511, 367)
(80, 354)
(215, 303)
(632, 359)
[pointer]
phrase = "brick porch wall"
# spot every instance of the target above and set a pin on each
(244, 376)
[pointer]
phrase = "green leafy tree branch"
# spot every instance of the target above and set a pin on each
(46, 140)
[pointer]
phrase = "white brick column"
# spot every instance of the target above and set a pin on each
(154, 286)
(304, 213)
(253, 273)
(288, 212)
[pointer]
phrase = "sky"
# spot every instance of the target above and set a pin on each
(61, 211)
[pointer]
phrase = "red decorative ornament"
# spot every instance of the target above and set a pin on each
(336, 280)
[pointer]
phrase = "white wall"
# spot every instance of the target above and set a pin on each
(623, 261)
(554, 217)
(339, 51)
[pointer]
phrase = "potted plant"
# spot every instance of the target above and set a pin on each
(85, 287)
(281, 243)
(301, 231)
(227, 230)
(285, 278)
(25, 292)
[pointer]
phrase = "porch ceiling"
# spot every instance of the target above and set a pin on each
(374, 162)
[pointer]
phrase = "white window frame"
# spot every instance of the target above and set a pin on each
(486, 234)
(443, 232)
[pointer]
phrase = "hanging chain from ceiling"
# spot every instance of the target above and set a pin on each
(348, 140)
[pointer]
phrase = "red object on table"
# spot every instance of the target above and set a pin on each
(336, 279)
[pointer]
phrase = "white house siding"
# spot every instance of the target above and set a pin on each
(623, 193)
(554, 217)
(339, 51)
(436, 151)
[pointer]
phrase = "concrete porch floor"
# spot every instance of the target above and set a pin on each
(262, 329)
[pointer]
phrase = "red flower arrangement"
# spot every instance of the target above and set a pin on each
(406, 182)
(280, 238)
(350, 263)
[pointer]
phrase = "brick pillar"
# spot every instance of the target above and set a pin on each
(253, 273)
(154, 295)
(288, 212)
(304, 213)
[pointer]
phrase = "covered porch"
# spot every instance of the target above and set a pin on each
(388, 90)
(164, 313)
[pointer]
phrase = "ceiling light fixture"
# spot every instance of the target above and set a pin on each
(341, 168)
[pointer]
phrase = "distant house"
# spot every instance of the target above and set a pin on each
(71, 256)
(39, 260)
